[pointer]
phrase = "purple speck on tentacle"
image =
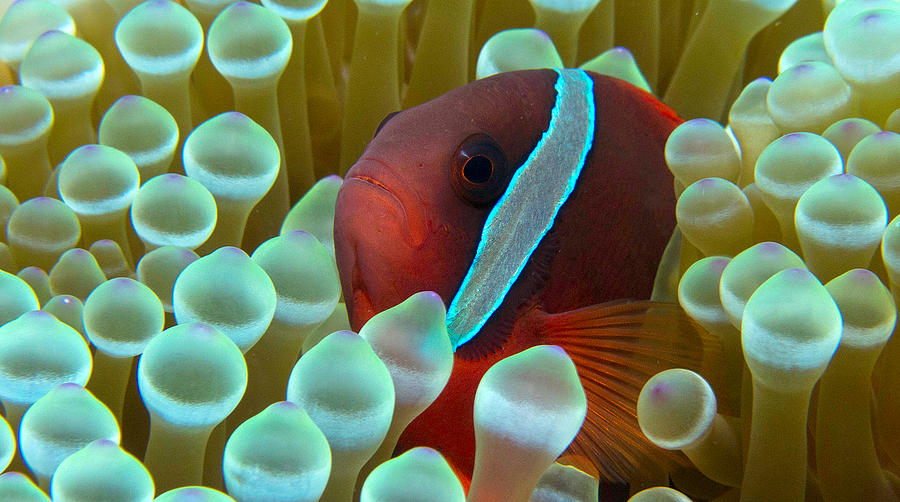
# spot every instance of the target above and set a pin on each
(718, 265)
(174, 178)
(559, 350)
(873, 18)
(122, 283)
(202, 331)
(862, 275)
(541, 34)
(299, 234)
(105, 443)
(707, 183)
(770, 247)
(842, 179)
(345, 334)
(431, 295)
(660, 392)
(797, 274)
(50, 34)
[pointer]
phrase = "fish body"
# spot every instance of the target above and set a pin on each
(442, 184)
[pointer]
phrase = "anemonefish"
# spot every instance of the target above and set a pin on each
(531, 201)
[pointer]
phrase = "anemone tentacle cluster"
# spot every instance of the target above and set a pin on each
(167, 191)
(790, 266)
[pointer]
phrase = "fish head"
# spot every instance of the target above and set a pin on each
(411, 210)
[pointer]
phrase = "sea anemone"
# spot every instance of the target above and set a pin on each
(152, 184)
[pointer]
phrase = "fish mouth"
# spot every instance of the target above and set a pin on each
(378, 175)
(361, 305)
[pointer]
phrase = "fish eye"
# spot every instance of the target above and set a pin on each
(387, 118)
(480, 171)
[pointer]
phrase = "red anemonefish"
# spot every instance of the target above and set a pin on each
(531, 201)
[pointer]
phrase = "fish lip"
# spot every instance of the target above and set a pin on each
(387, 180)
(361, 303)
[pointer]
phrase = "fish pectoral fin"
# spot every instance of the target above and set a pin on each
(616, 348)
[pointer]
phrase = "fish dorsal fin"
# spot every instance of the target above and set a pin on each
(616, 348)
(527, 210)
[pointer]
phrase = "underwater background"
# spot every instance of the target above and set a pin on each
(170, 172)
